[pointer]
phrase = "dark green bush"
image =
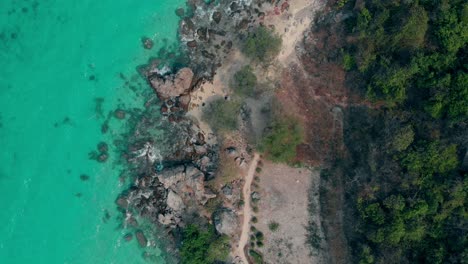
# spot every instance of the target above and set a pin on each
(203, 247)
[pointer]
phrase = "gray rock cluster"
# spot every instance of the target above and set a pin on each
(172, 169)
(211, 30)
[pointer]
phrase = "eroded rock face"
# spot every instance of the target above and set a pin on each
(225, 221)
(172, 85)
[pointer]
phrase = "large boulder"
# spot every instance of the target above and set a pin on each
(175, 202)
(225, 221)
(172, 85)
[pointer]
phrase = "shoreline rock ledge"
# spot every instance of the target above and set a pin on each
(172, 85)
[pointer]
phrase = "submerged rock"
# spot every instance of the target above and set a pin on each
(147, 43)
(142, 240)
(102, 147)
(84, 177)
(128, 237)
(180, 12)
(119, 114)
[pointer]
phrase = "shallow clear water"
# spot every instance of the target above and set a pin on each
(56, 58)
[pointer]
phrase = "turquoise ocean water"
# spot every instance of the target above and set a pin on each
(56, 58)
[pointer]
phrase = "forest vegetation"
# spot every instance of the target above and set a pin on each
(406, 184)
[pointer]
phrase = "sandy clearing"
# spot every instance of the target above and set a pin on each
(285, 195)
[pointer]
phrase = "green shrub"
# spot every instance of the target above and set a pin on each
(259, 235)
(219, 249)
(348, 62)
(244, 81)
(262, 45)
(222, 115)
(257, 257)
(281, 141)
(254, 219)
(273, 226)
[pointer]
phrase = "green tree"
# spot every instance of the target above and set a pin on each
(403, 138)
(244, 81)
(262, 44)
(431, 158)
(281, 141)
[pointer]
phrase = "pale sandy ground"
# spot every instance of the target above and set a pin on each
(292, 25)
(284, 193)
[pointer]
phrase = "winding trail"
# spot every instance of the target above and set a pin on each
(244, 238)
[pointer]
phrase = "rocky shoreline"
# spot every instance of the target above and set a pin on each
(169, 169)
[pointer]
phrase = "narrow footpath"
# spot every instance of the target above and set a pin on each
(244, 238)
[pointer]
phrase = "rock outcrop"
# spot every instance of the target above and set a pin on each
(171, 170)
(225, 221)
(172, 85)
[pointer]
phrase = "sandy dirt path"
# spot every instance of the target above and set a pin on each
(244, 239)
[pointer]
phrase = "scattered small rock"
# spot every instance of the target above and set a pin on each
(102, 147)
(84, 177)
(102, 157)
(192, 44)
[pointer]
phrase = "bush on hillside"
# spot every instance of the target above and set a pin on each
(281, 141)
(262, 44)
(203, 247)
(244, 81)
